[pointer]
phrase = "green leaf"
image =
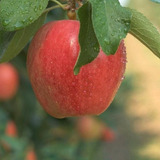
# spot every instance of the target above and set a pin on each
(157, 1)
(111, 23)
(3, 120)
(17, 14)
(15, 143)
(5, 38)
(144, 31)
(12, 43)
(87, 38)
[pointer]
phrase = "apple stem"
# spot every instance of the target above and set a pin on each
(51, 8)
(70, 7)
(71, 12)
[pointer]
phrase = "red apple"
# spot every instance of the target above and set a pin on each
(108, 134)
(31, 155)
(51, 58)
(89, 128)
(11, 129)
(8, 81)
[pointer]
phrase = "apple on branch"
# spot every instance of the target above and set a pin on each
(9, 81)
(51, 58)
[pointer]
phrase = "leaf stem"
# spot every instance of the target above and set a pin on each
(60, 4)
(145, 32)
(51, 8)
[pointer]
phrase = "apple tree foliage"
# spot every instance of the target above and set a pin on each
(102, 23)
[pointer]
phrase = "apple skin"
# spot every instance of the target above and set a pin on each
(31, 155)
(108, 135)
(89, 128)
(8, 81)
(11, 129)
(51, 58)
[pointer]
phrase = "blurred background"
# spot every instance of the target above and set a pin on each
(130, 127)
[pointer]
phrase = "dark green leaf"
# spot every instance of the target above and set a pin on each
(12, 43)
(144, 31)
(5, 38)
(87, 38)
(3, 120)
(111, 23)
(157, 1)
(17, 14)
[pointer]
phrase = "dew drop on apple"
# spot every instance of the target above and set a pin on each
(124, 60)
(91, 84)
(101, 99)
(90, 94)
(78, 107)
(123, 77)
